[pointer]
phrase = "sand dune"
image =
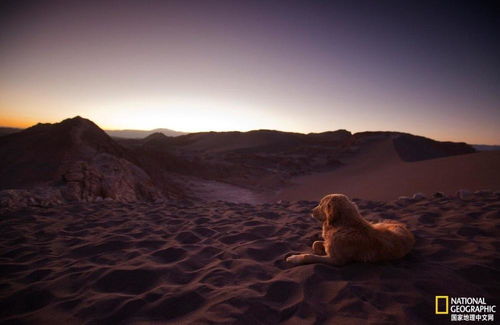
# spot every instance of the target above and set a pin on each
(378, 173)
(184, 263)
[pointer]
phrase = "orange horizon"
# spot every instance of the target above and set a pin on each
(11, 122)
(15, 123)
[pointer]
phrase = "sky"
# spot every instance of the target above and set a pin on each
(430, 68)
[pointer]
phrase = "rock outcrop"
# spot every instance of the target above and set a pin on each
(69, 161)
(42, 196)
(106, 176)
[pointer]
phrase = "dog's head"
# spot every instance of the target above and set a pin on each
(335, 209)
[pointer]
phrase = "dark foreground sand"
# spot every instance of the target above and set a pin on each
(185, 263)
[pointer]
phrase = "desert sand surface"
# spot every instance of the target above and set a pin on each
(378, 173)
(224, 263)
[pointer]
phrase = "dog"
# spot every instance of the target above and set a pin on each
(350, 238)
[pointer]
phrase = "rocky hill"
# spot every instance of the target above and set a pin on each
(71, 160)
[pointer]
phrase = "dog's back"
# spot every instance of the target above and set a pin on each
(395, 239)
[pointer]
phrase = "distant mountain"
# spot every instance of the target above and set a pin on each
(127, 134)
(486, 147)
(6, 130)
(139, 134)
(254, 141)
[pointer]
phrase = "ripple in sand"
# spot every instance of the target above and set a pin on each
(127, 281)
(268, 251)
(219, 278)
(176, 306)
(89, 250)
(187, 237)
(242, 237)
(169, 255)
(26, 300)
(282, 291)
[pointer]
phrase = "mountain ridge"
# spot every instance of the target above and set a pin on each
(80, 161)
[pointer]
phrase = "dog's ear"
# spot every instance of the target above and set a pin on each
(332, 212)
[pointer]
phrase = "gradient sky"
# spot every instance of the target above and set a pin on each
(428, 68)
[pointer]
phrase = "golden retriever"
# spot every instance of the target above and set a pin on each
(350, 238)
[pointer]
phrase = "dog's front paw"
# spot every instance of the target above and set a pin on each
(295, 259)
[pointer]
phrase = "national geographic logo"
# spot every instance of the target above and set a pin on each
(442, 304)
(465, 308)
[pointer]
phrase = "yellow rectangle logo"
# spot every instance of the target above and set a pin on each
(446, 299)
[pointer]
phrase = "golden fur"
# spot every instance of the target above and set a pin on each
(350, 238)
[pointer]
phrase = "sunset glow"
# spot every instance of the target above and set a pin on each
(306, 67)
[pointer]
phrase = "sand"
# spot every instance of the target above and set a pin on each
(224, 263)
(377, 173)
